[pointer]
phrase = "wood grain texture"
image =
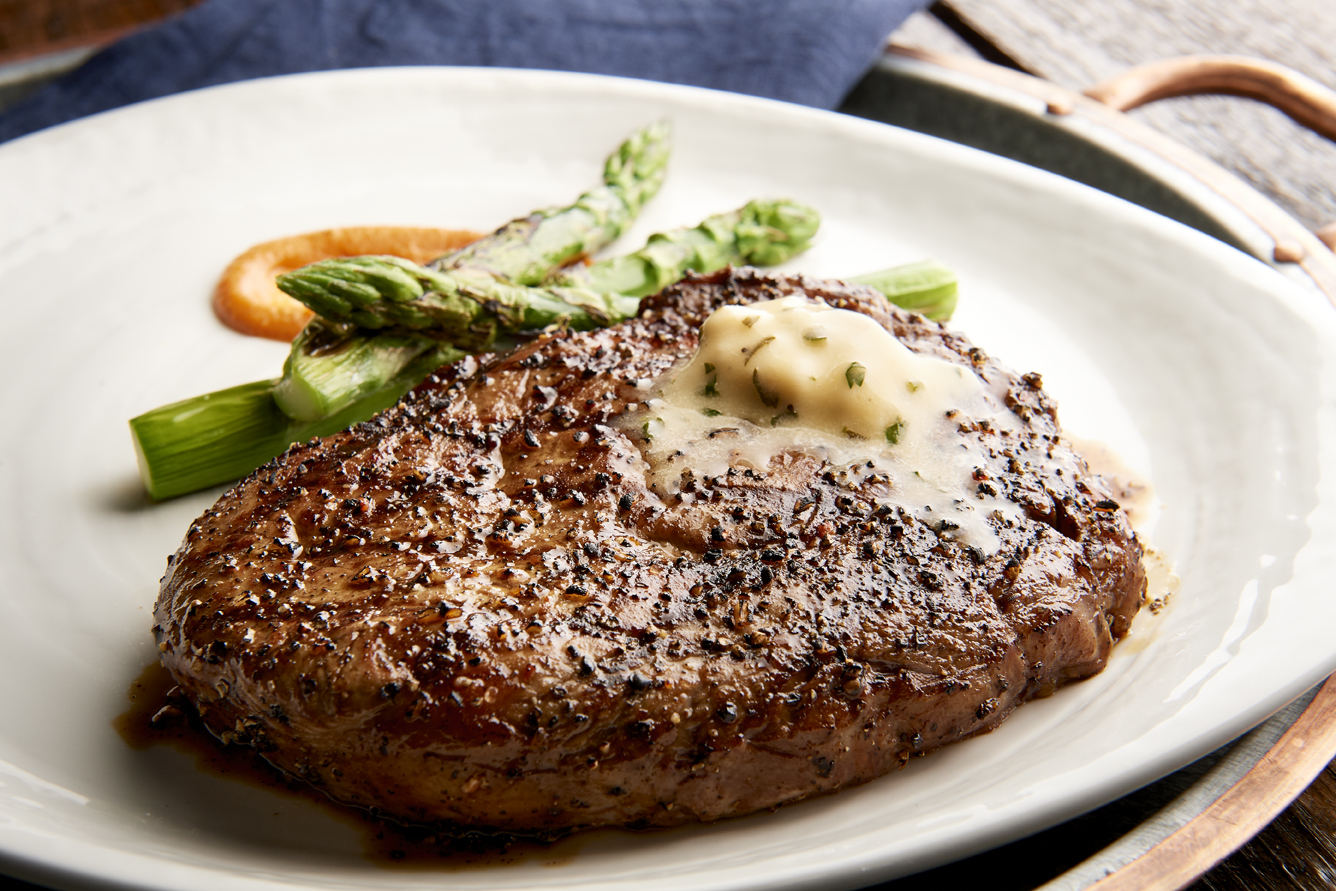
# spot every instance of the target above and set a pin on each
(925, 31)
(1285, 769)
(1077, 43)
(1297, 852)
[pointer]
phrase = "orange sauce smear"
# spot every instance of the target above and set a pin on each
(247, 300)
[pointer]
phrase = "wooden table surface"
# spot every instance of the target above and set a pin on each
(1074, 43)
(1078, 43)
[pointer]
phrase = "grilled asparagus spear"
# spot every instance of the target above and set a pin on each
(467, 306)
(349, 373)
(760, 233)
(926, 287)
(329, 367)
(526, 250)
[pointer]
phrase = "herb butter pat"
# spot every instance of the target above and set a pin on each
(798, 376)
(796, 362)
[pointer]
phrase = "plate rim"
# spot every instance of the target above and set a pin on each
(627, 84)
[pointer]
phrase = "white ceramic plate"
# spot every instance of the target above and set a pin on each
(1206, 370)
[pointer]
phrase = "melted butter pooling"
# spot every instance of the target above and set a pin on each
(794, 375)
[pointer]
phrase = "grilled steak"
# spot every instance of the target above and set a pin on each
(474, 608)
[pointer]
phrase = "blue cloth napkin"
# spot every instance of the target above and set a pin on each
(806, 51)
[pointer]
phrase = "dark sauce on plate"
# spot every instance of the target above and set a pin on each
(160, 716)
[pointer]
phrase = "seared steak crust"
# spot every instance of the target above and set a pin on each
(474, 609)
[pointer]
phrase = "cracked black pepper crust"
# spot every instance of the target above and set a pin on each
(473, 609)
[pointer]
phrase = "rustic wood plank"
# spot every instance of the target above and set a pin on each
(1297, 852)
(925, 31)
(1076, 43)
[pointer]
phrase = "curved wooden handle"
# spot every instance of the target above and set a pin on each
(1305, 100)
(1299, 96)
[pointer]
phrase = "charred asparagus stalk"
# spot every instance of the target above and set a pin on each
(469, 308)
(526, 250)
(217, 437)
(760, 233)
(422, 312)
(331, 366)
